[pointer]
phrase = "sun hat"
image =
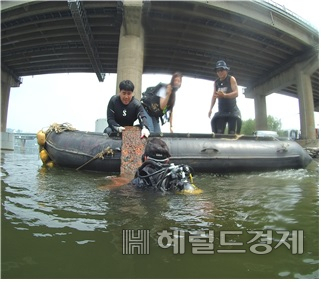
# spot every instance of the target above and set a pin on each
(221, 65)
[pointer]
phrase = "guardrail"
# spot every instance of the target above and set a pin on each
(25, 136)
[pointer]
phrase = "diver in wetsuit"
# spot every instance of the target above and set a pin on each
(157, 173)
(124, 109)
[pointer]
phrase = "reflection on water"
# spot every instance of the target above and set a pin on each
(60, 223)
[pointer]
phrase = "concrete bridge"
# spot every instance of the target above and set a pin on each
(7, 140)
(269, 49)
(23, 137)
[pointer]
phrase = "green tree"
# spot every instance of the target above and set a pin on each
(273, 123)
(249, 126)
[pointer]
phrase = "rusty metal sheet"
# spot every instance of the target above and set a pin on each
(133, 148)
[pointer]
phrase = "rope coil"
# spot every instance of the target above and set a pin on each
(58, 128)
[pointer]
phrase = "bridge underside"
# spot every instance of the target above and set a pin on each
(260, 42)
(256, 40)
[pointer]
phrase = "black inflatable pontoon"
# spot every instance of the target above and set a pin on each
(203, 152)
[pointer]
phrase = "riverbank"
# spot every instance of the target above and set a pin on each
(311, 146)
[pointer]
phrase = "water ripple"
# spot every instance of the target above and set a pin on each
(68, 214)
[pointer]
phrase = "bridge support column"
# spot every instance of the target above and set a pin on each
(306, 106)
(22, 145)
(261, 112)
(7, 81)
(7, 141)
(131, 46)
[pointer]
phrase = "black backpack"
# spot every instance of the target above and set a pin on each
(150, 100)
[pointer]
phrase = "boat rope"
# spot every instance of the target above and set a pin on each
(58, 128)
(106, 151)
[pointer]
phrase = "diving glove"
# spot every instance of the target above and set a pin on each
(145, 132)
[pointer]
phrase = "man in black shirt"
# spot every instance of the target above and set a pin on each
(226, 91)
(124, 109)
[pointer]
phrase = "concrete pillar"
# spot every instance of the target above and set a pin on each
(22, 145)
(131, 46)
(6, 81)
(306, 105)
(260, 112)
(7, 141)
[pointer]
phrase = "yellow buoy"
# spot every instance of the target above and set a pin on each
(43, 156)
(190, 188)
(41, 138)
(50, 164)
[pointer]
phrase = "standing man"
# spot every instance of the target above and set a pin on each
(124, 109)
(226, 91)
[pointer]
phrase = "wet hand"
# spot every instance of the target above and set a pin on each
(169, 89)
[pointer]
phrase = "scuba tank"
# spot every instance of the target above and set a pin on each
(167, 177)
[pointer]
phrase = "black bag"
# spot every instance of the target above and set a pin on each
(150, 100)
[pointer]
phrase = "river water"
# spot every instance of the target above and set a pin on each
(62, 223)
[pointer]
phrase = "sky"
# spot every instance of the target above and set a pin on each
(80, 99)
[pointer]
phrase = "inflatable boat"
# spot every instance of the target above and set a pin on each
(211, 153)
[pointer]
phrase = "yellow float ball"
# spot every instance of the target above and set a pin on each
(43, 156)
(41, 138)
(50, 164)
